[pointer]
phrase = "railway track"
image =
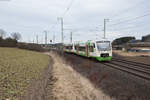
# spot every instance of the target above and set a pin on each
(140, 70)
(131, 62)
(137, 69)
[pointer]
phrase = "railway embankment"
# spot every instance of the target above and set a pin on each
(116, 83)
(132, 56)
(70, 84)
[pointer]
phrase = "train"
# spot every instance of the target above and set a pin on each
(99, 50)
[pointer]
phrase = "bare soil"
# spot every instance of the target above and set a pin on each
(40, 89)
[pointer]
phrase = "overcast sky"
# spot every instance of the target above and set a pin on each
(84, 17)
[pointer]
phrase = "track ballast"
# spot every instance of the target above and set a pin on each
(135, 68)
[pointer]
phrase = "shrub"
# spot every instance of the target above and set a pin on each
(1, 39)
(8, 42)
(30, 46)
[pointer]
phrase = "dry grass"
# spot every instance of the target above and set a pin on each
(17, 69)
(70, 85)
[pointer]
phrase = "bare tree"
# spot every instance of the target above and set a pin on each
(16, 36)
(2, 33)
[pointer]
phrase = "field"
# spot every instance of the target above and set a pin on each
(17, 69)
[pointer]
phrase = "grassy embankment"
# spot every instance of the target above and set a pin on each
(17, 69)
(131, 54)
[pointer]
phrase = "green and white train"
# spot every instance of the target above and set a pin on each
(100, 50)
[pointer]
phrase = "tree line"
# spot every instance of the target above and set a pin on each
(10, 41)
(13, 41)
(123, 40)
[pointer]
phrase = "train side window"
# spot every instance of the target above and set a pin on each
(81, 48)
(66, 47)
(70, 47)
(91, 48)
(76, 47)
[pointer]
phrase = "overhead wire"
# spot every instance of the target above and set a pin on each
(68, 7)
(125, 28)
(133, 27)
(124, 21)
(65, 12)
(129, 9)
(125, 11)
(131, 19)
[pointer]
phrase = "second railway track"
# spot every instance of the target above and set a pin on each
(132, 62)
(135, 68)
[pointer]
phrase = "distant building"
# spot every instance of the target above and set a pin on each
(134, 41)
(135, 45)
(138, 47)
(146, 38)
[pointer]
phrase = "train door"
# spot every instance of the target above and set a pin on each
(92, 49)
(87, 50)
(70, 48)
(77, 49)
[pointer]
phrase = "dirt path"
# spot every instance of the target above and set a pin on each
(70, 85)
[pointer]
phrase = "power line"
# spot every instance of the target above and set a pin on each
(129, 23)
(68, 7)
(135, 18)
(65, 12)
(125, 28)
(128, 20)
(130, 8)
(133, 27)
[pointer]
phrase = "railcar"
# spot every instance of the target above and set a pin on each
(100, 50)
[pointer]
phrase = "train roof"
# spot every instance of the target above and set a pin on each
(68, 44)
(87, 42)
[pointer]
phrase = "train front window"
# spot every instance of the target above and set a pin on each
(103, 46)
